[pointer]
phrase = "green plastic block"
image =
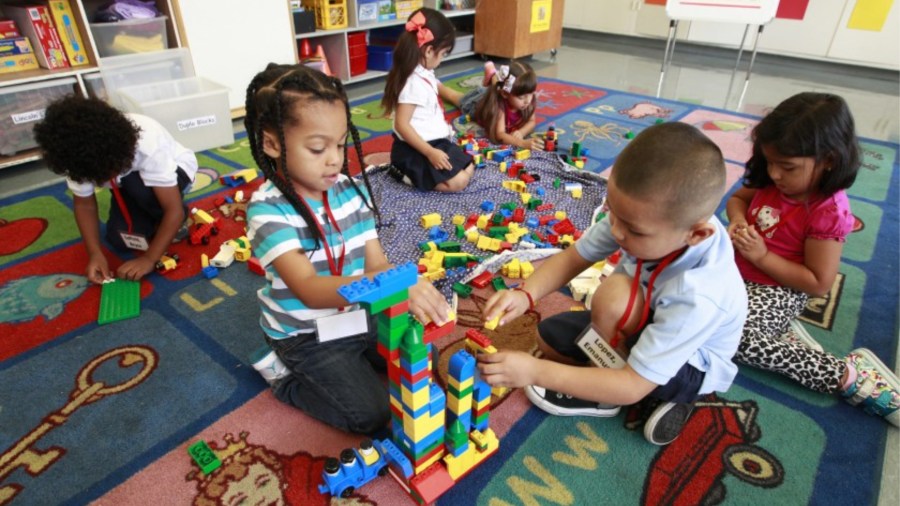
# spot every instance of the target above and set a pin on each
(119, 300)
(463, 290)
(204, 457)
(499, 284)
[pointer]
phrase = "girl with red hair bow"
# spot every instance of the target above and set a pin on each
(423, 152)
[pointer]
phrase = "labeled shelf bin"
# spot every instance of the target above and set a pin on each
(130, 36)
(139, 69)
(24, 105)
(194, 110)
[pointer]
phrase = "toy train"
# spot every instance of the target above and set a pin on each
(355, 468)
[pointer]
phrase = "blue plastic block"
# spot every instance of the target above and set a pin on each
(384, 285)
(487, 206)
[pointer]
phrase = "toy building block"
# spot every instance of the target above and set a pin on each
(167, 263)
(120, 299)
(492, 323)
(498, 283)
(205, 458)
(224, 257)
(201, 216)
(209, 272)
(430, 220)
(201, 232)
(255, 266)
(431, 483)
(384, 284)
(629, 135)
(523, 154)
(462, 290)
(459, 219)
(482, 280)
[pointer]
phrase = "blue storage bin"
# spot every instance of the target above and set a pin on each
(380, 57)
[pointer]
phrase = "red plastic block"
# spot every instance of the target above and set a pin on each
(482, 280)
(544, 207)
(397, 309)
(431, 483)
(545, 219)
(564, 227)
(479, 338)
(433, 332)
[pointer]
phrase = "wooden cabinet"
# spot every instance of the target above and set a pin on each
(16, 87)
(514, 28)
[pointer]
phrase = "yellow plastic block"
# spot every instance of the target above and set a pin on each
(472, 236)
(492, 324)
(414, 400)
(204, 260)
(482, 221)
(502, 166)
(458, 466)
(527, 269)
(430, 220)
(201, 216)
(459, 219)
(560, 215)
(525, 197)
(435, 275)
(460, 385)
(523, 154)
(576, 194)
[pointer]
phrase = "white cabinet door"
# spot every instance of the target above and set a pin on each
(881, 48)
(232, 40)
(611, 16)
(810, 36)
(573, 13)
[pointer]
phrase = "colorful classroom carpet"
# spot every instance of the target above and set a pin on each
(106, 413)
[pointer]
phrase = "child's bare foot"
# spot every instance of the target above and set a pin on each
(489, 72)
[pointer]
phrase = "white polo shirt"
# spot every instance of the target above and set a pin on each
(421, 90)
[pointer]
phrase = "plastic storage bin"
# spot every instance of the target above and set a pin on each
(130, 36)
(367, 11)
(330, 14)
(194, 110)
(139, 69)
(380, 57)
(464, 43)
(24, 105)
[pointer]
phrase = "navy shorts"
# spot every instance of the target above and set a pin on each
(561, 332)
(419, 170)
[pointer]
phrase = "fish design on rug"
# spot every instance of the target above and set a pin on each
(25, 299)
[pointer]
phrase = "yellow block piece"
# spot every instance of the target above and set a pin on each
(492, 324)
(430, 220)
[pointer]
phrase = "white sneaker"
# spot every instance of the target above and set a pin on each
(269, 366)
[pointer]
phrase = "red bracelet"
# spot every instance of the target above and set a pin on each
(530, 300)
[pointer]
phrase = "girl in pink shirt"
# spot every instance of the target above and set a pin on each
(788, 226)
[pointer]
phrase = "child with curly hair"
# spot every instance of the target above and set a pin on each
(95, 145)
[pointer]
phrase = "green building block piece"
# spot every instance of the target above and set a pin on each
(460, 232)
(204, 457)
(556, 183)
(450, 247)
(660, 120)
(119, 300)
(463, 290)
(576, 149)
(382, 304)
(499, 284)
(629, 135)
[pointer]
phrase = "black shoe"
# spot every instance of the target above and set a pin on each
(666, 422)
(559, 404)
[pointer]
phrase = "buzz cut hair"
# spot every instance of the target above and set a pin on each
(674, 166)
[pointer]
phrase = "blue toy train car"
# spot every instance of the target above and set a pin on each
(355, 468)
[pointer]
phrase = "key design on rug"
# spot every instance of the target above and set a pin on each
(256, 474)
(25, 299)
(87, 390)
(717, 439)
(20, 234)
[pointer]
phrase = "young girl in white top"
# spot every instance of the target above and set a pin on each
(423, 149)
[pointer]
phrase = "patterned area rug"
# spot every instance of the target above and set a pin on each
(106, 413)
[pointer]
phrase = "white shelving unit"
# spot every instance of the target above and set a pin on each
(336, 46)
(82, 11)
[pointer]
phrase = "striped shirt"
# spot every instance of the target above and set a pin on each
(274, 227)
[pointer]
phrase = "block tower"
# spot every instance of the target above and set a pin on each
(436, 437)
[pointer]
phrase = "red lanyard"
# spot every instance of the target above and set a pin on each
(121, 202)
(440, 100)
(635, 286)
(336, 269)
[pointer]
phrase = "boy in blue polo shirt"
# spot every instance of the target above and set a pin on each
(675, 305)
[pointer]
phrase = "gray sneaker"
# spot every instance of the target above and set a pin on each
(666, 422)
(559, 404)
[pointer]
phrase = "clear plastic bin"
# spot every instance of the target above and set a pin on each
(139, 69)
(463, 43)
(94, 85)
(195, 110)
(130, 36)
(24, 105)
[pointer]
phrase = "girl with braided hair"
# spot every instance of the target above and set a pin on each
(313, 229)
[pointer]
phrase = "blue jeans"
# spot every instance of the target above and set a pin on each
(336, 382)
(469, 102)
(561, 332)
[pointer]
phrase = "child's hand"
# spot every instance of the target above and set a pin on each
(439, 159)
(507, 368)
(750, 244)
(537, 143)
(508, 304)
(98, 269)
(136, 269)
(736, 226)
(426, 303)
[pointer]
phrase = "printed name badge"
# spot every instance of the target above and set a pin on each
(135, 241)
(599, 351)
(341, 325)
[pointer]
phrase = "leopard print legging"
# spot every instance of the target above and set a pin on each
(771, 309)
